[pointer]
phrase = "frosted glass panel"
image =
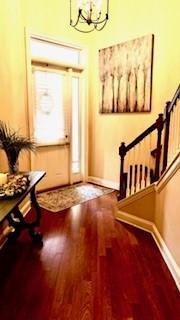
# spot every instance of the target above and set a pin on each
(49, 112)
(52, 51)
(75, 126)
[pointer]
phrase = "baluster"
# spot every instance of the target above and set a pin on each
(151, 176)
(133, 170)
(176, 127)
(178, 108)
(150, 162)
(144, 160)
(161, 158)
(159, 124)
(145, 176)
(170, 146)
(130, 179)
(138, 164)
(140, 176)
(122, 187)
(173, 134)
(128, 173)
(135, 177)
(166, 136)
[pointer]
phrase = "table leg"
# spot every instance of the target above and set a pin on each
(17, 221)
(35, 235)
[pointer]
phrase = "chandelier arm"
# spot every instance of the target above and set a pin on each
(92, 20)
(99, 16)
(99, 22)
(83, 17)
(102, 26)
(75, 24)
(83, 31)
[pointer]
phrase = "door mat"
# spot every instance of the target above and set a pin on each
(63, 198)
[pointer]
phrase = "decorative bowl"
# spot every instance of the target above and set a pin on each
(15, 185)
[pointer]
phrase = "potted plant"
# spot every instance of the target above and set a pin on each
(13, 144)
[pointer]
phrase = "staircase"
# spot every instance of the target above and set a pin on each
(149, 183)
(146, 158)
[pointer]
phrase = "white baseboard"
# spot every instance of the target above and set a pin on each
(135, 221)
(167, 256)
(150, 227)
(103, 182)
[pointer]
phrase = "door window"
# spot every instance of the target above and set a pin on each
(49, 116)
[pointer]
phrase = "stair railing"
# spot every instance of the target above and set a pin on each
(172, 129)
(145, 159)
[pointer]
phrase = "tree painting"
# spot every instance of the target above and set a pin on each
(125, 73)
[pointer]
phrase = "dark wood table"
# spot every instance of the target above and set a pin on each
(9, 209)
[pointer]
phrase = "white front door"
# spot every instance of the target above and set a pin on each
(50, 125)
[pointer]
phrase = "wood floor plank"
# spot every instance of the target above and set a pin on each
(90, 267)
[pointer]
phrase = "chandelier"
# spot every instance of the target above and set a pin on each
(89, 14)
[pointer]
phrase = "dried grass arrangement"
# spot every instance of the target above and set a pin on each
(13, 144)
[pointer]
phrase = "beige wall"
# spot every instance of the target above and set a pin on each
(167, 215)
(48, 18)
(12, 69)
(128, 20)
(160, 206)
(142, 206)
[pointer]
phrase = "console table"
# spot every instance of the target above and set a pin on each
(9, 209)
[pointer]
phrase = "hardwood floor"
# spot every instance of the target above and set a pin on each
(90, 267)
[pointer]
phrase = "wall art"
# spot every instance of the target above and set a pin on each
(125, 73)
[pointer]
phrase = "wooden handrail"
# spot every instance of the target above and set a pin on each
(141, 137)
(168, 109)
(163, 121)
(173, 102)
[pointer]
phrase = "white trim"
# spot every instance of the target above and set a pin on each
(169, 173)
(24, 210)
(136, 196)
(83, 72)
(167, 256)
(103, 182)
(150, 227)
(56, 64)
(60, 42)
(135, 221)
(49, 38)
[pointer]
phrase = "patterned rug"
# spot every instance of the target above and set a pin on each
(63, 198)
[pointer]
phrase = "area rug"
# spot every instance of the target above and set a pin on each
(63, 198)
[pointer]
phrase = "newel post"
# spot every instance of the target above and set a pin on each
(159, 126)
(122, 185)
(166, 136)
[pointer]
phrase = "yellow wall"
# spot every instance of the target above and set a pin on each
(49, 18)
(12, 68)
(128, 20)
(12, 64)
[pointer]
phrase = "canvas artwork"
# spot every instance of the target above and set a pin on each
(125, 76)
